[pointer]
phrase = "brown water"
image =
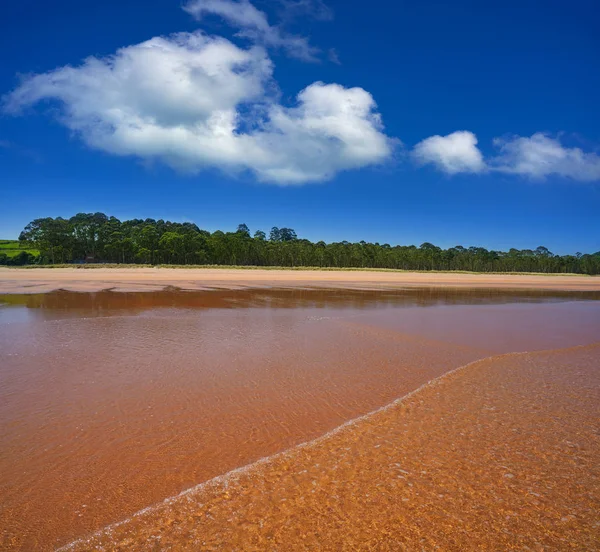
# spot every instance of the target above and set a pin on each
(502, 455)
(111, 402)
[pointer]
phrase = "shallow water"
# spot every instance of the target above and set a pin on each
(501, 455)
(110, 402)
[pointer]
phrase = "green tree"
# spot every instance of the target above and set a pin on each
(150, 241)
(243, 229)
(275, 234)
(171, 245)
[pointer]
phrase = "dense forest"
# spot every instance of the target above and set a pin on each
(96, 237)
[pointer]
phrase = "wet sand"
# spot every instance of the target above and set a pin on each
(501, 455)
(111, 402)
(39, 280)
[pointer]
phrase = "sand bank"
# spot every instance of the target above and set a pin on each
(501, 455)
(41, 280)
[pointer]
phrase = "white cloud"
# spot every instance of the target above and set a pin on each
(454, 153)
(195, 102)
(333, 56)
(539, 156)
(536, 156)
(254, 24)
(333, 128)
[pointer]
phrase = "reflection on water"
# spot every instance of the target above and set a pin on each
(109, 302)
(110, 401)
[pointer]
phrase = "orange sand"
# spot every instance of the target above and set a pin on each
(501, 455)
(38, 280)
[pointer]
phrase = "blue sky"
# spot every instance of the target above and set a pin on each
(470, 123)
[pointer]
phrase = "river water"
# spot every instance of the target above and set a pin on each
(111, 402)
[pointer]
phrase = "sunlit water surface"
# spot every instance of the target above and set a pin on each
(110, 402)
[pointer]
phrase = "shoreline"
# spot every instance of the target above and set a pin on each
(160, 520)
(123, 279)
(223, 480)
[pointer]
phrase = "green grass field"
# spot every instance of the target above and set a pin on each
(11, 248)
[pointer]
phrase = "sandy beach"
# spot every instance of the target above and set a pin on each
(41, 280)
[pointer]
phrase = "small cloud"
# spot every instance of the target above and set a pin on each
(540, 155)
(454, 153)
(537, 156)
(332, 56)
(254, 25)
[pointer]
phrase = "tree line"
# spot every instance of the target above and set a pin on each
(96, 237)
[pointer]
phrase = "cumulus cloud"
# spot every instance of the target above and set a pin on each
(254, 25)
(537, 156)
(454, 153)
(540, 155)
(333, 128)
(195, 101)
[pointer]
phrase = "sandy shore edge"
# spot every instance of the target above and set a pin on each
(43, 280)
(223, 479)
(220, 484)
